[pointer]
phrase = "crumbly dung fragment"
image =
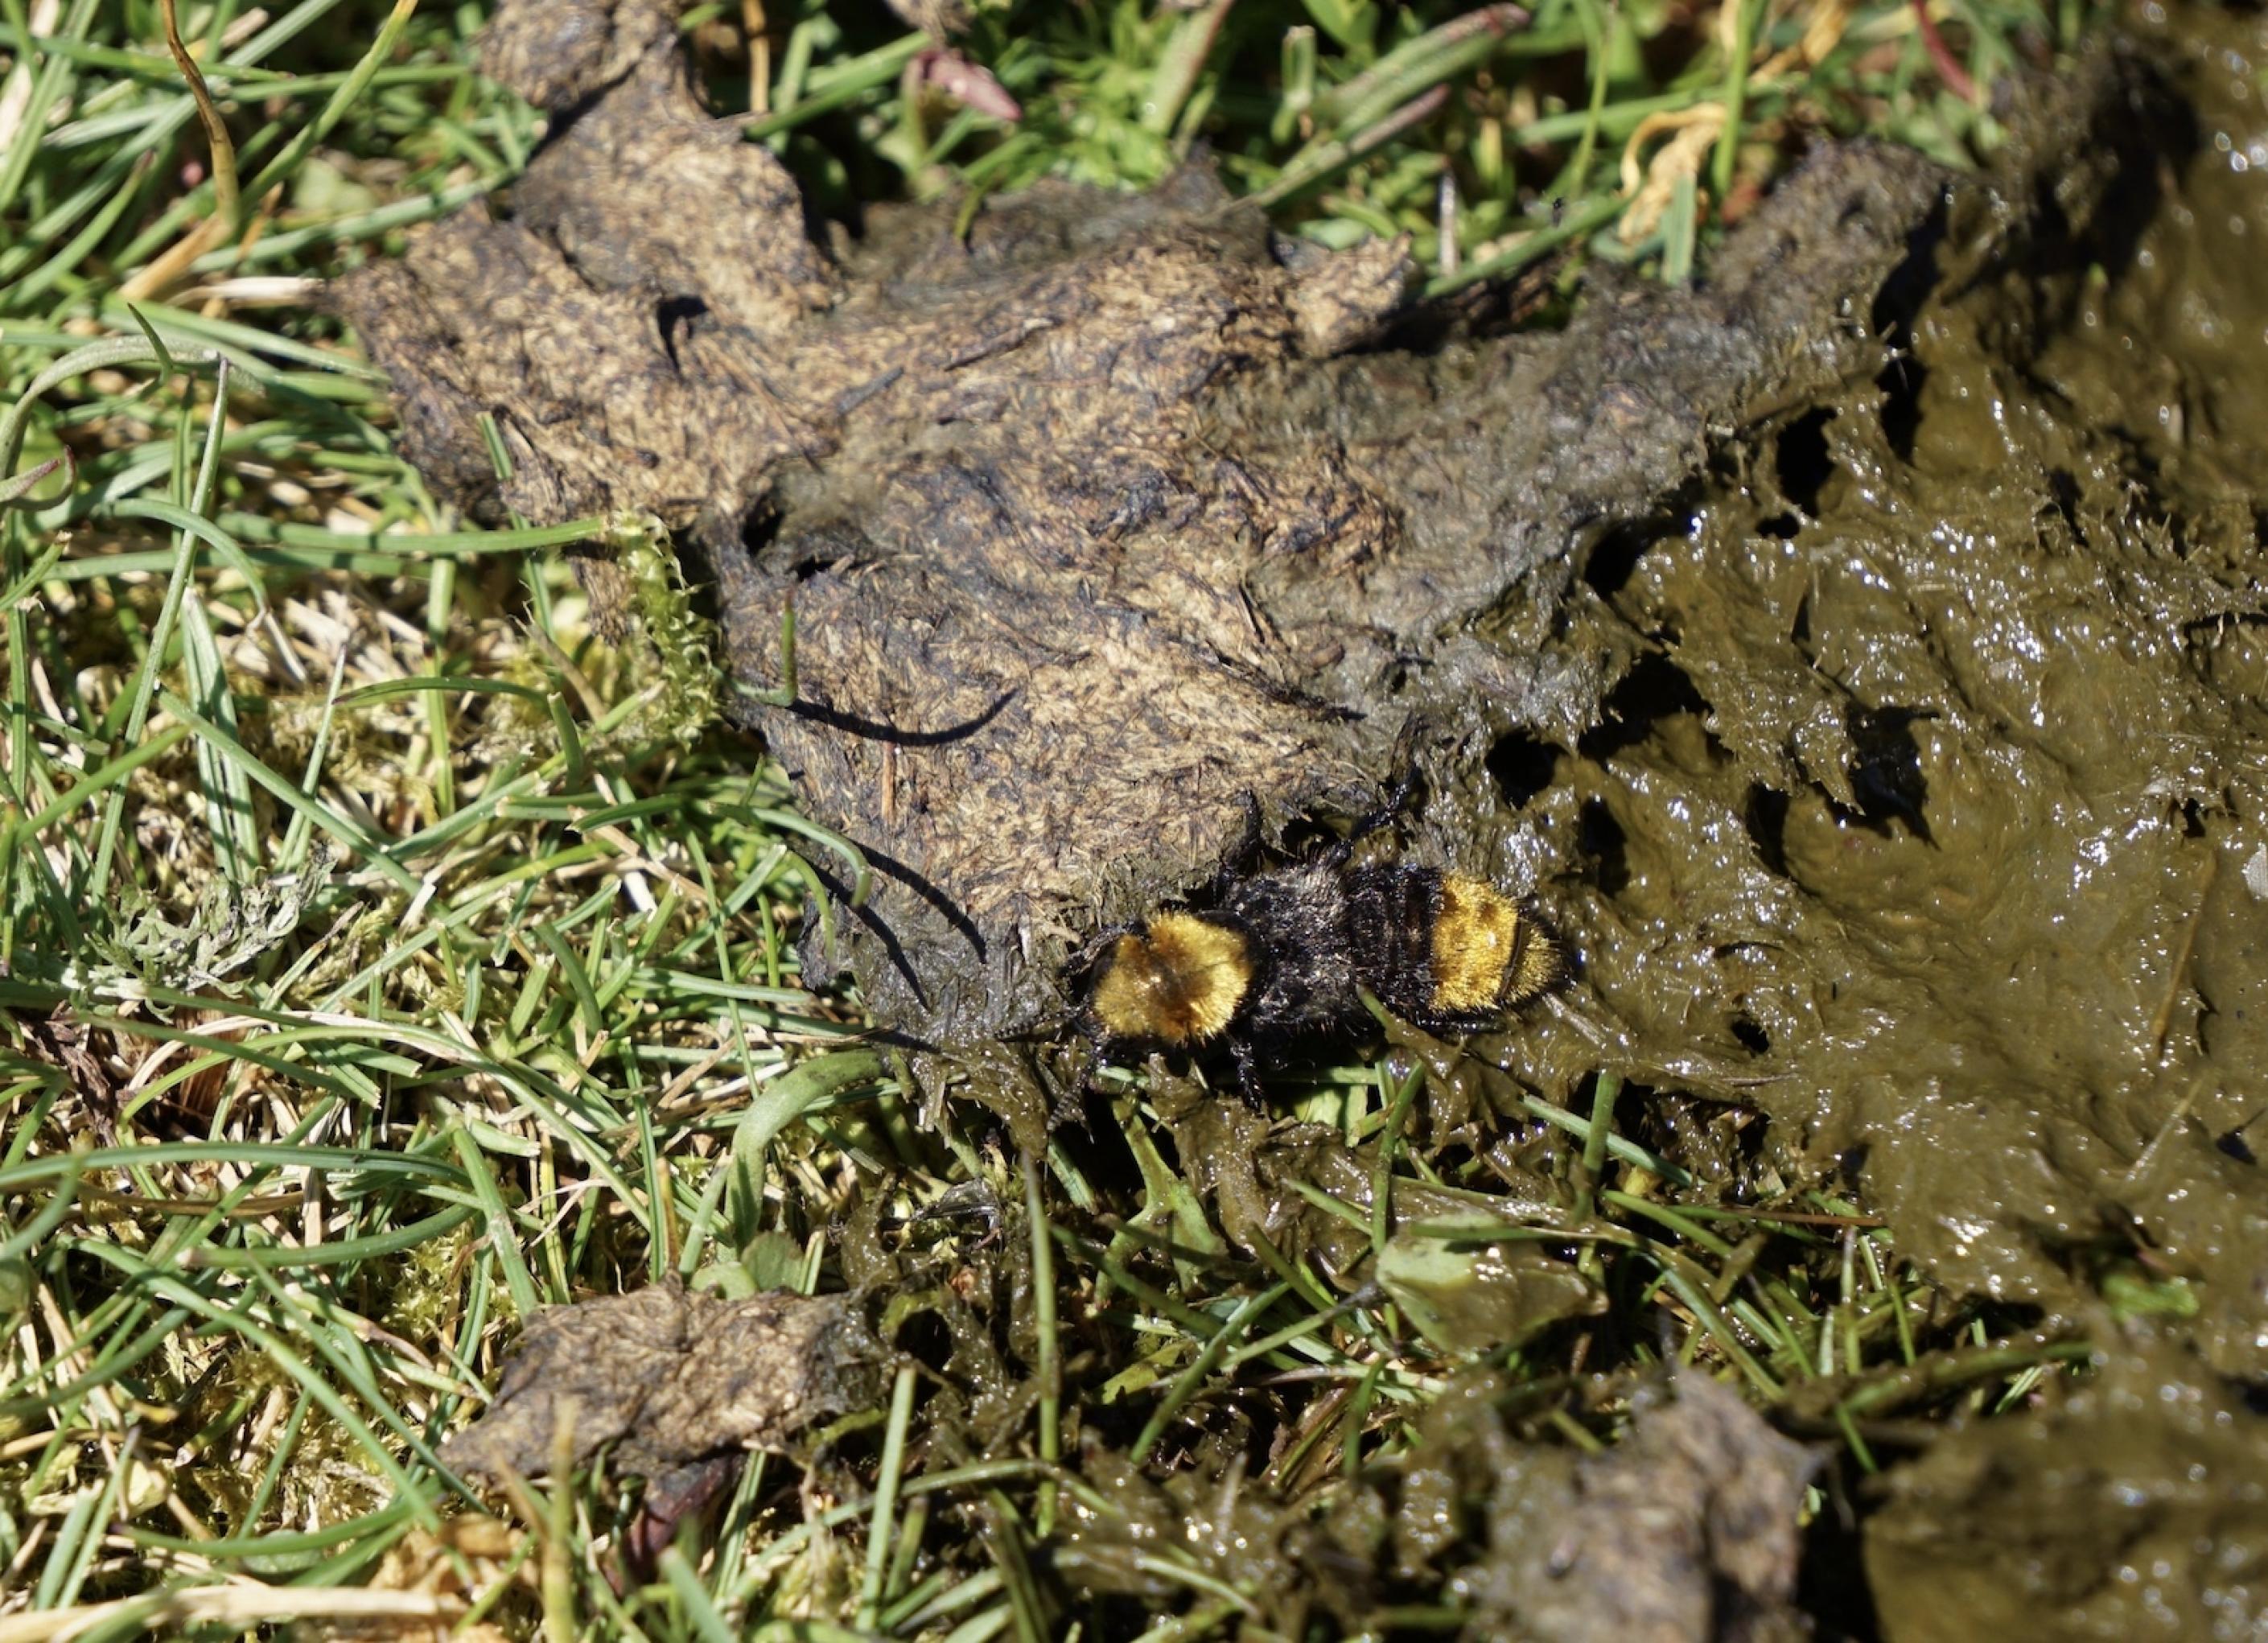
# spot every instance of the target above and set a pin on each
(1690, 1527)
(670, 1377)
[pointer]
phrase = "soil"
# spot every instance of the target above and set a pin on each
(1861, 657)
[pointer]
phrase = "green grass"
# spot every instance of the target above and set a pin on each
(385, 958)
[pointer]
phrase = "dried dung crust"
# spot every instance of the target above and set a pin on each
(1093, 526)
(671, 1378)
(1687, 1528)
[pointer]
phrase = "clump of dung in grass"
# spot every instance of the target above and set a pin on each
(1689, 1528)
(2131, 1502)
(671, 1378)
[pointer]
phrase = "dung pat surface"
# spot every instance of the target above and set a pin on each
(2131, 1504)
(1887, 609)
(1923, 826)
(1101, 516)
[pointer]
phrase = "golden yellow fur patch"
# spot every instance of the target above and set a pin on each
(1486, 955)
(1181, 982)
(1537, 969)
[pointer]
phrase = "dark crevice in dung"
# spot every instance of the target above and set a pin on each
(672, 314)
(1655, 689)
(1522, 766)
(1896, 305)
(1886, 774)
(1615, 553)
(1601, 841)
(1801, 460)
(1765, 817)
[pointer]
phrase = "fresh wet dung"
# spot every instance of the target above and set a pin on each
(1861, 659)
(2137, 1506)
(1926, 824)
